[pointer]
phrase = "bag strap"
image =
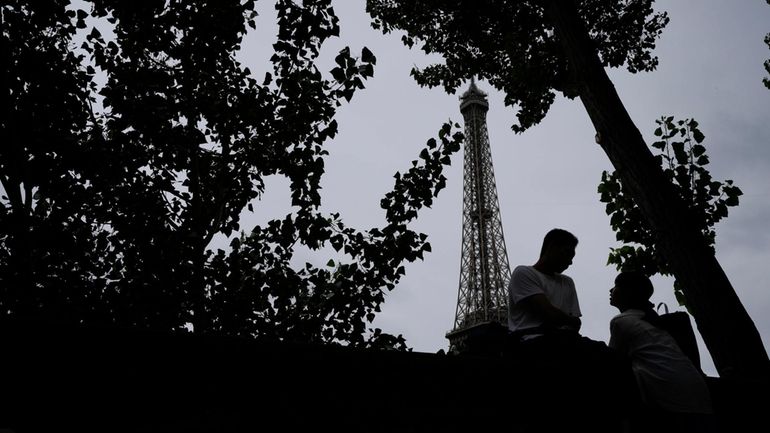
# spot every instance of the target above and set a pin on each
(662, 304)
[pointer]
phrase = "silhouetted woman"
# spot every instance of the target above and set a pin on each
(673, 390)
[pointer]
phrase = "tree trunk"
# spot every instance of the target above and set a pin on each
(729, 333)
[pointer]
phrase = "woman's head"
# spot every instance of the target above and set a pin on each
(632, 290)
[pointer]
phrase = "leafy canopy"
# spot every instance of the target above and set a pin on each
(682, 155)
(766, 80)
(133, 136)
(513, 46)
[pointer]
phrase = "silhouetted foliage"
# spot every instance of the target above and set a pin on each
(126, 152)
(766, 80)
(683, 157)
(514, 47)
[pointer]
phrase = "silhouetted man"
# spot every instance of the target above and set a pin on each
(540, 298)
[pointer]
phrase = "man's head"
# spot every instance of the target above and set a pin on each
(632, 290)
(557, 252)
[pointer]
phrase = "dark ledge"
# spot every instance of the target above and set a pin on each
(63, 378)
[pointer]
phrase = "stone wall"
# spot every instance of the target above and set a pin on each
(59, 378)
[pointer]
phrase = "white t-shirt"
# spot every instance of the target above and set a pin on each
(526, 281)
(665, 375)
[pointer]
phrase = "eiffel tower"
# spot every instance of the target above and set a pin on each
(484, 270)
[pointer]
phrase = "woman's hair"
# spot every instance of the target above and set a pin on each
(638, 286)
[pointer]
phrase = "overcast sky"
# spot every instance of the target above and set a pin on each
(710, 69)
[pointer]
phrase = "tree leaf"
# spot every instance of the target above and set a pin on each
(367, 56)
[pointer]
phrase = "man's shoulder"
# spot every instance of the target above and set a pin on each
(567, 279)
(525, 270)
(526, 273)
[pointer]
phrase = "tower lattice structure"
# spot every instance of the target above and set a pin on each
(484, 269)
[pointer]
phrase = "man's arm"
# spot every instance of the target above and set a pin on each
(539, 305)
